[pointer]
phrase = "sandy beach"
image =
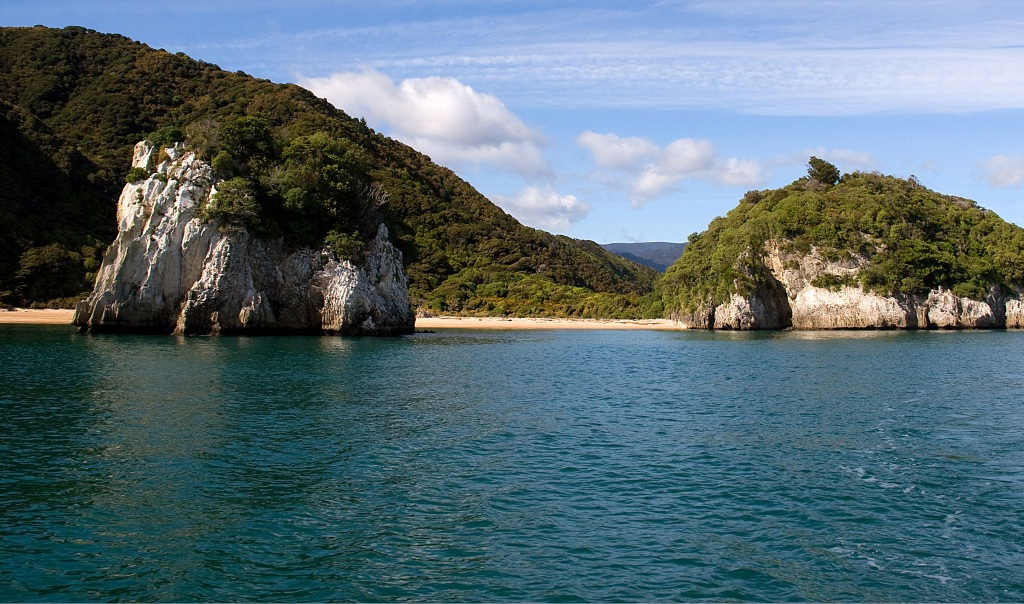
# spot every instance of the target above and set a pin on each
(540, 323)
(52, 316)
(46, 316)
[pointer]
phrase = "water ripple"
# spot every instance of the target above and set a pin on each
(551, 466)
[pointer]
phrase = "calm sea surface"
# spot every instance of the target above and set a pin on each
(552, 466)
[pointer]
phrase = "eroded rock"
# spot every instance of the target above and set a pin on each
(168, 270)
(788, 298)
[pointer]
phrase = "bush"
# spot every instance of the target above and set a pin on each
(136, 174)
(203, 136)
(834, 282)
(248, 140)
(346, 246)
(224, 166)
(166, 137)
(234, 203)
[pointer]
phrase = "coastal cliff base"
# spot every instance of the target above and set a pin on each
(784, 297)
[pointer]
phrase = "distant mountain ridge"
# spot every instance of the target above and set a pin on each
(658, 255)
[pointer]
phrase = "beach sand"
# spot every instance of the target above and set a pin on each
(46, 316)
(51, 316)
(503, 323)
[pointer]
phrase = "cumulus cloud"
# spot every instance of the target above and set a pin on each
(613, 151)
(1004, 170)
(655, 170)
(442, 117)
(544, 208)
(652, 182)
(739, 172)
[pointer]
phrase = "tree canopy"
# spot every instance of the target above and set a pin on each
(821, 171)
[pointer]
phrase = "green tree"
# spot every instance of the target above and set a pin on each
(323, 174)
(346, 246)
(166, 137)
(235, 203)
(136, 174)
(822, 171)
(224, 166)
(249, 141)
(49, 271)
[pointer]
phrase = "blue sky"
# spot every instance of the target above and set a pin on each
(634, 121)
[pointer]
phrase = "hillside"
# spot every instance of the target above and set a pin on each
(75, 101)
(658, 255)
(864, 232)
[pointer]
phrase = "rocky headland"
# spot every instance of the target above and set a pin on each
(854, 251)
(170, 270)
(785, 297)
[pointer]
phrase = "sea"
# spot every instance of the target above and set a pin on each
(553, 466)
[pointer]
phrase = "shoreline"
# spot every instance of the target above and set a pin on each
(37, 316)
(58, 316)
(503, 323)
(62, 316)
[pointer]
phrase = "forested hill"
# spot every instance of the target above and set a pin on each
(73, 102)
(903, 237)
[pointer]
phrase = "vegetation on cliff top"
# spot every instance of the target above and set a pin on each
(74, 102)
(914, 239)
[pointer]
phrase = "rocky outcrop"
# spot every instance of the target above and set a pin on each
(786, 297)
(1015, 313)
(765, 307)
(169, 270)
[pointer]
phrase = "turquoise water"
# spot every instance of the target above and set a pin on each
(512, 466)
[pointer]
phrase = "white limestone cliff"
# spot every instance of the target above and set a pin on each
(786, 297)
(169, 270)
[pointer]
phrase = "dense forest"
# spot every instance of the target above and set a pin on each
(73, 102)
(913, 238)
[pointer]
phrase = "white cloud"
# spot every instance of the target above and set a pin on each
(651, 183)
(544, 208)
(523, 157)
(687, 156)
(740, 172)
(442, 117)
(1004, 170)
(655, 171)
(613, 151)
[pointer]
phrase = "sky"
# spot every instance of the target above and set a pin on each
(633, 121)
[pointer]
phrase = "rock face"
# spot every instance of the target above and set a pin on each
(170, 271)
(785, 297)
